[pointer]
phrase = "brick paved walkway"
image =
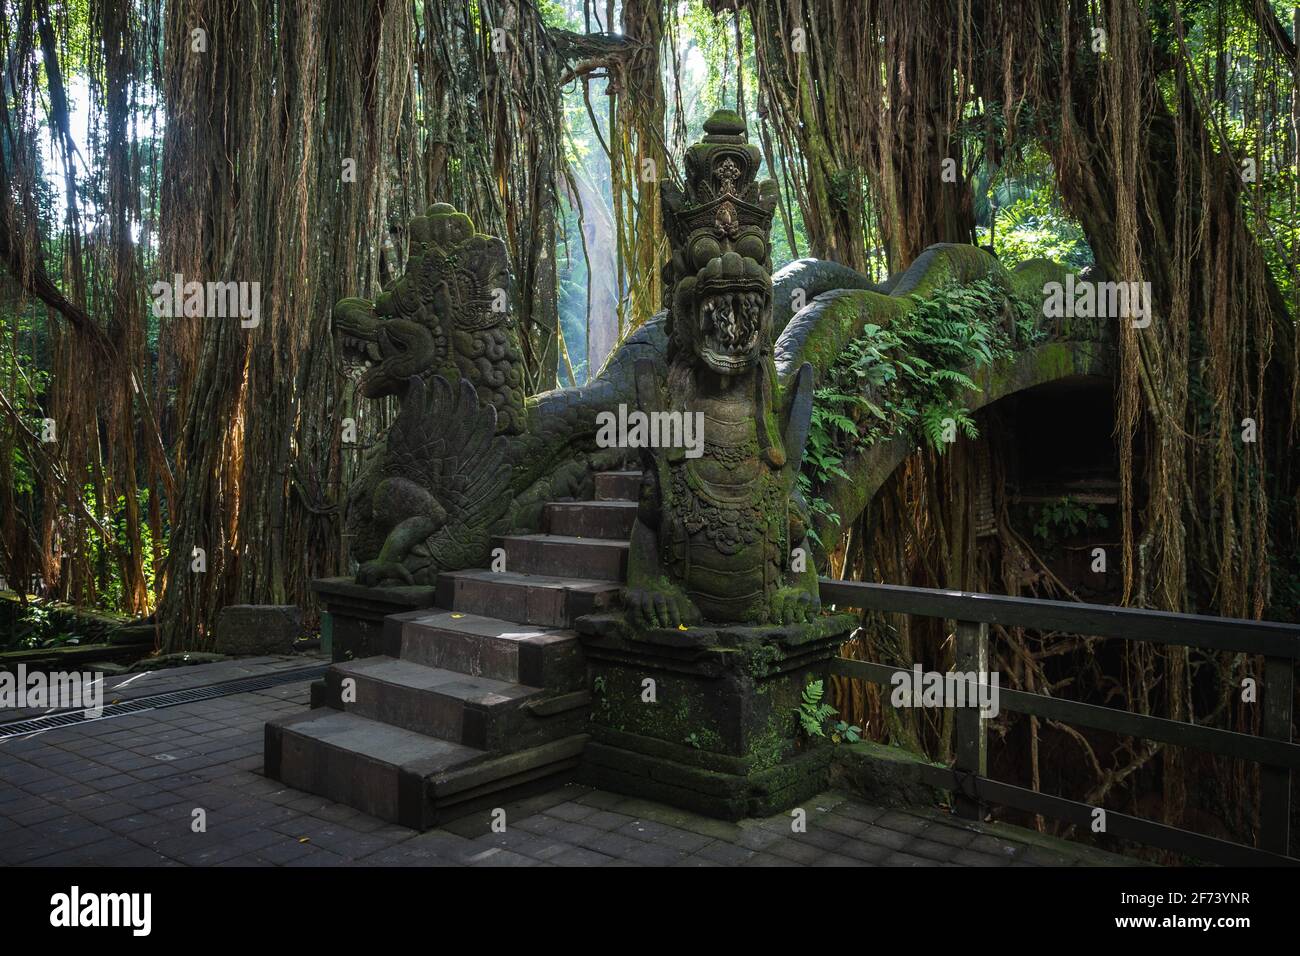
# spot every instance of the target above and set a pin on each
(124, 792)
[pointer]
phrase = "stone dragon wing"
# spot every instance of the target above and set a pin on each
(444, 440)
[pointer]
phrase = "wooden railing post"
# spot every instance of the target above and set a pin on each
(972, 654)
(1275, 782)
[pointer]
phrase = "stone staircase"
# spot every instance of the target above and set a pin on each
(480, 699)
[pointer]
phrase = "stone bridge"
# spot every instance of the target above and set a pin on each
(449, 693)
(819, 333)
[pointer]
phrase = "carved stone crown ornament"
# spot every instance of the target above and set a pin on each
(715, 534)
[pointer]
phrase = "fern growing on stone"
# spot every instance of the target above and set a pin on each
(813, 713)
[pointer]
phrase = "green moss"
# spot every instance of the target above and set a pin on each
(774, 743)
(1030, 276)
(760, 659)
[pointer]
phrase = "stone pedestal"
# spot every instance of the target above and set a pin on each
(352, 621)
(717, 730)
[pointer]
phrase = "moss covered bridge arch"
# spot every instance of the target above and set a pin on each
(821, 331)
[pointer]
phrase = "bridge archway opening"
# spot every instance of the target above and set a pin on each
(1022, 508)
(1052, 450)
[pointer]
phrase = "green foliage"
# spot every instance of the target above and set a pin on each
(711, 40)
(1035, 227)
(813, 714)
(1065, 517)
(938, 422)
(28, 391)
(843, 731)
(819, 506)
(572, 285)
(1017, 207)
(910, 379)
(36, 628)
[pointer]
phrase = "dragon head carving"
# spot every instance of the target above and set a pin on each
(449, 314)
(390, 351)
(720, 273)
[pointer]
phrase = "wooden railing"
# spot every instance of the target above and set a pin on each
(1278, 644)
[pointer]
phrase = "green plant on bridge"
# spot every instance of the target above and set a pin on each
(910, 378)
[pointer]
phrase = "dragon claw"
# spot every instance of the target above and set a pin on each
(794, 606)
(374, 573)
(659, 609)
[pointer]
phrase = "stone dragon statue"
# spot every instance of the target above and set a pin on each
(437, 489)
(443, 341)
(733, 515)
(716, 535)
(448, 314)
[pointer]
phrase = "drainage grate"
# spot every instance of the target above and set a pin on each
(243, 685)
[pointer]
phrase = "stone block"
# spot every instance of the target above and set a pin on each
(258, 629)
(591, 519)
(618, 485)
(886, 776)
(525, 598)
(599, 559)
(720, 734)
(354, 614)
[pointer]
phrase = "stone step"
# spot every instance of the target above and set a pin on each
(368, 765)
(481, 646)
(593, 558)
(539, 599)
(617, 485)
(405, 777)
(477, 712)
(591, 519)
(487, 784)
